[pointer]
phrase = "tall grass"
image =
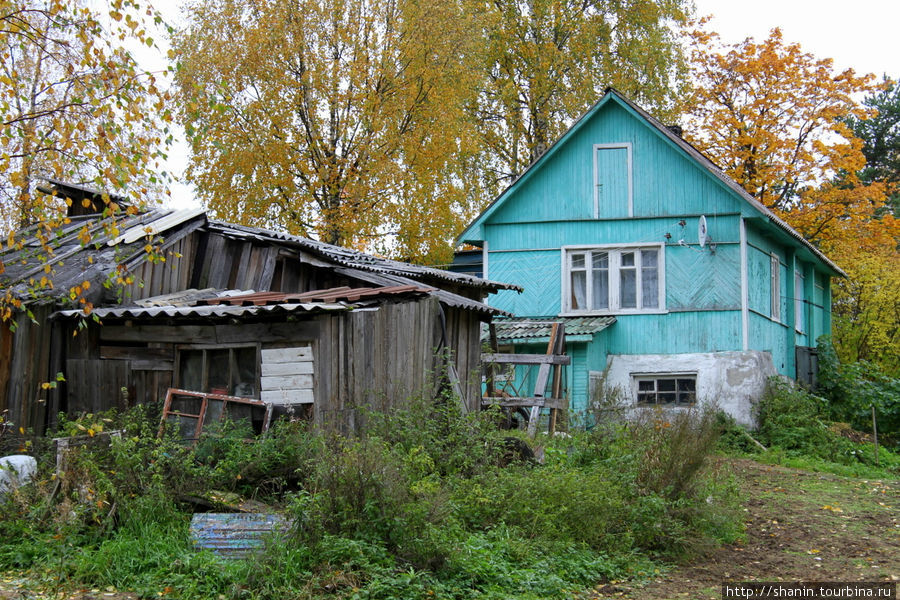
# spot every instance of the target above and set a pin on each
(425, 504)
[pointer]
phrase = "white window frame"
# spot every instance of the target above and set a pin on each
(636, 378)
(799, 304)
(628, 168)
(615, 251)
(775, 287)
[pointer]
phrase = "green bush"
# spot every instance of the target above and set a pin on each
(793, 419)
(428, 503)
(852, 390)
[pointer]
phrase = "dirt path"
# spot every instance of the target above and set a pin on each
(801, 526)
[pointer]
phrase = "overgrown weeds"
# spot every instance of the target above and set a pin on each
(423, 505)
(798, 429)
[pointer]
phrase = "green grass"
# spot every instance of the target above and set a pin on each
(424, 506)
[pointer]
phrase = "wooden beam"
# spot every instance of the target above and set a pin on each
(524, 402)
(527, 359)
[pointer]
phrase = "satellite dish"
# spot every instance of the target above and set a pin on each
(702, 234)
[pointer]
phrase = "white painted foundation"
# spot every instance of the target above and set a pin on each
(732, 381)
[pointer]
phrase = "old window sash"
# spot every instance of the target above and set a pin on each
(669, 389)
(613, 279)
(219, 369)
(775, 287)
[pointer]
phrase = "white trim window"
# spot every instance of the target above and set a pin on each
(613, 279)
(799, 304)
(776, 287)
(666, 389)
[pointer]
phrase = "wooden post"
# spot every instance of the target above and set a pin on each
(875, 432)
(492, 333)
(557, 378)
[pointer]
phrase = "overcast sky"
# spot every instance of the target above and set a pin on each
(857, 34)
(861, 35)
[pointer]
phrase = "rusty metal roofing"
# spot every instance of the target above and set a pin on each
(535, 328)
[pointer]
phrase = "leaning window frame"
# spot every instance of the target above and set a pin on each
(614, 251)
(775, 286)
(181, 348)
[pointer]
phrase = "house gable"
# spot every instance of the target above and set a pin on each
(665, 177)
(612, 164)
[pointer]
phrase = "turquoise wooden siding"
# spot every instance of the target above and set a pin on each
(552, 207)
(665, 181)
(698, 279)
(538, 272)
(675, 333)
(613, 182)
(724, 229)
(770, 337)
(759, 271)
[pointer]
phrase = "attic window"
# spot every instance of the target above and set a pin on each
(667, 390)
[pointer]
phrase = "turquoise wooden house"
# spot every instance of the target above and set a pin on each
(675, 285)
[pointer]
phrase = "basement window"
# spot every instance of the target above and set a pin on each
(666, 390)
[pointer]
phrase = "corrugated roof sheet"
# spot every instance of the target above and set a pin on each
(340, 294)
(216, 310)
(520, 329)
(232, 303)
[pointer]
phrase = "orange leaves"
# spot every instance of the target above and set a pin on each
(769, 114)
(776, 119)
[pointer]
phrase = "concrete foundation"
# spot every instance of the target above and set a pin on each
(731, 381)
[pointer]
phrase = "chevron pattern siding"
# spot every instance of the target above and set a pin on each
(702, 280)
(537, 272)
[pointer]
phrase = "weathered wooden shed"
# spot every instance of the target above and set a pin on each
(144, 307)
(328, 355)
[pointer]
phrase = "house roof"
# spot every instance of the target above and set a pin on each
(238, 303)
(76, 192)
(613, 95)
(87, 248)
(121, 240)
(539, 328)
(359, 260)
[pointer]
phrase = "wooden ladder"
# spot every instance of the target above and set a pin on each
(549, 363)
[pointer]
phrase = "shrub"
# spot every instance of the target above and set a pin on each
(793, 419)
(853, 389)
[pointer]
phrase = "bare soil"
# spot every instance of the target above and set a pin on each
(800, 526)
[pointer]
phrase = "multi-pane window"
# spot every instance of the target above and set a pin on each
(614, 280)
(231, 371)
(675, 390)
